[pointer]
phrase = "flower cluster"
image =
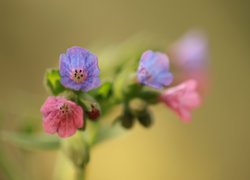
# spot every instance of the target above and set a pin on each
(79, 94)
(78, 71)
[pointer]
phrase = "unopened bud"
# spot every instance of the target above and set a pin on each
(137, 105)
(76, 149)
(94, 112)
(127, 119)
(145, 118)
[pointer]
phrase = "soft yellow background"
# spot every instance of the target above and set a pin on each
(215, 146)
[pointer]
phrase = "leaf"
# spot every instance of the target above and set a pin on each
(53, 78)
(31, 141)
(105, 90)
(102, 92)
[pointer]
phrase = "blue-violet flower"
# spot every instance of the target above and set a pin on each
(153, 70)
(79, 69)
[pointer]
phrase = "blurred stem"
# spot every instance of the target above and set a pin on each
(80, 174)
(4, 166)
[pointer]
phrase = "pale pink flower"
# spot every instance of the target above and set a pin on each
(182, 99)
(62, 116)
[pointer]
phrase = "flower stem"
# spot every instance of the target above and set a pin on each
(80, 174)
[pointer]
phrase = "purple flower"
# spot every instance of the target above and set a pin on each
(153, 70)
(79, 69)
(190, 52)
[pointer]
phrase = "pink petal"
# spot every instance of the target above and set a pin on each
(185, 115)
(182, 99)
(66, 128)
(50, 104)
(50, 122)
(78, 117)
(190, 84)
(191, 100)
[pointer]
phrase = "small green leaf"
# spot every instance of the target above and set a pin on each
(31, 141)
(53, 78)
(105, 90)
(102, 92)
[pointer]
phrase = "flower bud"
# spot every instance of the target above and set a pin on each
(94, 113)
(137, 105)
(76, 149)
(127, 119)
(145, 118)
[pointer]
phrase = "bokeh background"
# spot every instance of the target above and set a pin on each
(215, 146)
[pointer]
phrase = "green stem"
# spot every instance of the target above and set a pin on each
(80, 174)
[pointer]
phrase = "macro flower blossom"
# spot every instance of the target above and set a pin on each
(153, 70)
(61, 116)
(79, 69)
(191, 51)
(182, 99)
(190, 57)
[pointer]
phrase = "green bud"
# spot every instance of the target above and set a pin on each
(127, 119)
(137, 105)
(76, 149)
(145, 118)
(127, 122)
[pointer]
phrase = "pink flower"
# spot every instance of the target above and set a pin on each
(182, 99)
(62, 116)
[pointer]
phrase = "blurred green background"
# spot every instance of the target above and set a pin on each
(215, 146)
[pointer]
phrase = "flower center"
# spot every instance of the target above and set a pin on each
(64, 108)
(145, 74)
(78, 75)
